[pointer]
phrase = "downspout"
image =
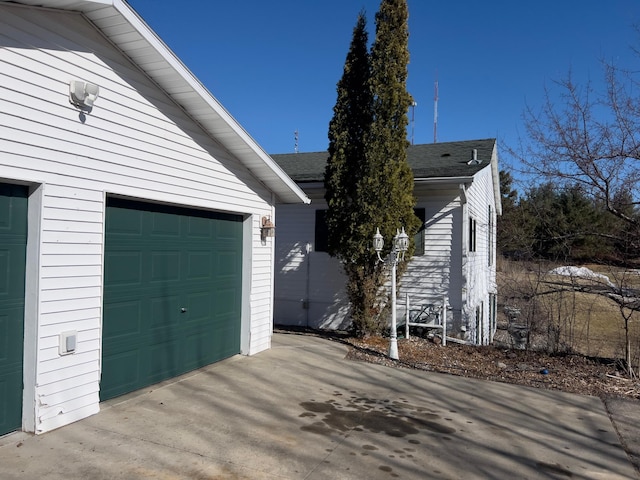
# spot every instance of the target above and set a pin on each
(464, 254)
(273, 264)
(463, 194)
(307, 302)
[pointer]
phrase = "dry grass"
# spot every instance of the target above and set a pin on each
(567, 319)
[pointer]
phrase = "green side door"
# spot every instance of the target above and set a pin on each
(172, 293)
(13, 245)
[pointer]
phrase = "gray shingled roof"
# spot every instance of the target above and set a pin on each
(432, 160)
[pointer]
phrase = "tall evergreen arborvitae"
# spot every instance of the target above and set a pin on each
(387, 140)
(368, 181)
(351, 119)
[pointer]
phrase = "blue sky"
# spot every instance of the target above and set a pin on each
(274, 65)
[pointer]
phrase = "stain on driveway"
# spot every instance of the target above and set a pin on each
(395, 419)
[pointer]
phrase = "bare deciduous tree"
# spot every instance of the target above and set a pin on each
(590, 138)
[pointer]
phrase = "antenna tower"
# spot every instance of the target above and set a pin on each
(435, 111)
(414, 104)
(295, 137)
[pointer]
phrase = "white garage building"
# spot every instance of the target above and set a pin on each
(131, 212)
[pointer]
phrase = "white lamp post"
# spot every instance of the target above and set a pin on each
(400, 245)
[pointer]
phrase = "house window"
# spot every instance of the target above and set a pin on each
(472, 234)
(321, 232)
(419, 236)
(490, 237)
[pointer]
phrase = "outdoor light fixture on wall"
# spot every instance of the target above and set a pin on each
(83, 94)
(400, 245)
(267, 229)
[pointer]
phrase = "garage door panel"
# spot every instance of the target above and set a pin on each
(124, 318)
(11, 327)
(165, 225)
(125, 268)
(12, 264)
(165, 266)
(12, 382)
(180, 252)
(164, 313)
(200, 265)
(124, 370)
(125, 223)
(164, 360)
(199, 307)
(227, 232)
(8, 387)
(4, 272)
(227, 263)
(201, 228)
(162, 303)
(6, 341)
(227, 302)
(6, 214)
(198, 349)
(221, 346)
(13, 210)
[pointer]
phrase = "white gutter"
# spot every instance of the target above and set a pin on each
(443, 180)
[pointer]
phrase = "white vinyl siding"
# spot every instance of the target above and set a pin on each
(447, 269)
(135, 143)
(434, 275)
(479, 272)
(294, 234)
(310, 285)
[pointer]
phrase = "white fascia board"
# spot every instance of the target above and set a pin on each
(495, 174)
(174, 78)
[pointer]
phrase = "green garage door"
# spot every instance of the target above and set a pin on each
(172, 293)
(13, 244)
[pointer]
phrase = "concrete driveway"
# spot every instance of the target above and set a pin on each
(301, 411)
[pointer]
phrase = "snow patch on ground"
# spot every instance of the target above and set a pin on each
(581, 272)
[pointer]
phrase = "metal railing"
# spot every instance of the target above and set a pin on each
(428, 315)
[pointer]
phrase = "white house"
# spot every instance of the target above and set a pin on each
(458, 198)
(131, 213)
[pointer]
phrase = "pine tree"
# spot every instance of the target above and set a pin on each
(369, 183)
